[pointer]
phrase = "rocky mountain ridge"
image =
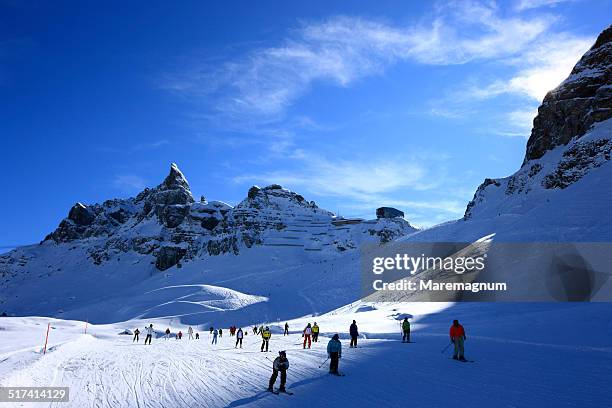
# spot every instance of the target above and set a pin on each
(169, 224)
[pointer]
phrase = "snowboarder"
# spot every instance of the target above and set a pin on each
(457, 337)
(280, 364)
(214, 340)
(286, 332)
(306, 334)
(150, 332)
(239, 338)
(190, 332)
(167, 336)
(220, 332)
(265, 335)
(315, 332)
(334, 352)
(354, 333)
(136, 333)
(197, 336)
(406, 331)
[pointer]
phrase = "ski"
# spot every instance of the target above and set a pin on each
(281, 392)
(464, 361)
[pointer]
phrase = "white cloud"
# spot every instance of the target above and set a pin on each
(522, 121)
(363, 185)
(341, 50)
(540, 68)
(129, 183)
(532, 4)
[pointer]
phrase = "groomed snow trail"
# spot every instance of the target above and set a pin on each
(518, 363)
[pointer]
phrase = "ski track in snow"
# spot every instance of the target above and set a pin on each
(527, 369)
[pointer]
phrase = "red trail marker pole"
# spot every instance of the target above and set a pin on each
(47, 338)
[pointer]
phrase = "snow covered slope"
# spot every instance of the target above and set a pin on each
(520, 360)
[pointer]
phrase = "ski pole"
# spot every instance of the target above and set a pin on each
(324, 362)
(445, 348)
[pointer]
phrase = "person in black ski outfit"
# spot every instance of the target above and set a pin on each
(280, 364)
(286, 332)
(136, 333)
(354, 333)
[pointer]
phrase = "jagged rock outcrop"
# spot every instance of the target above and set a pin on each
(567, 115)
(584, 98)
(166, 223)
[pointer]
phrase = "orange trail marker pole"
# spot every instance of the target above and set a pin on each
(47, 338)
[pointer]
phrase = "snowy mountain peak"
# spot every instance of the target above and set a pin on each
(276, 197)
(175, 179)
(168, 226)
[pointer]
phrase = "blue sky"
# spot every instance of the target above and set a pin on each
(352, 104)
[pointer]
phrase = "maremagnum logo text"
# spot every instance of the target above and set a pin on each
(430, 285)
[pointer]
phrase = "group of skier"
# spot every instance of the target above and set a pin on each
(280, 365)
(309, 333)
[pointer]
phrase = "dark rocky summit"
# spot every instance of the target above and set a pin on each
(584, 98)
(567, 113)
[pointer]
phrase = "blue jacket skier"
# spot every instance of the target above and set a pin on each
(334, 352)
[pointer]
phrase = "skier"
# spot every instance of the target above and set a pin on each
(255, 330)
(214, 340)
(354, 333)
(180, 335)
(280, 364)
(239, 336)
(136, 333)
(211, 330)
(167, 336)
(315, 332)
(406, 330)
(190, 332)
(197, 336)
(457, 337)
(261, 329)
(220, 332)
(265, 335)
(150, 332)
(306, 334)
(286, 332)
(334, 352)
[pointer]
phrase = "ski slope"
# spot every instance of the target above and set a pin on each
(526, 355)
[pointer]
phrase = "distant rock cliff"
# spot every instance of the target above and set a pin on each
(167, 223)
